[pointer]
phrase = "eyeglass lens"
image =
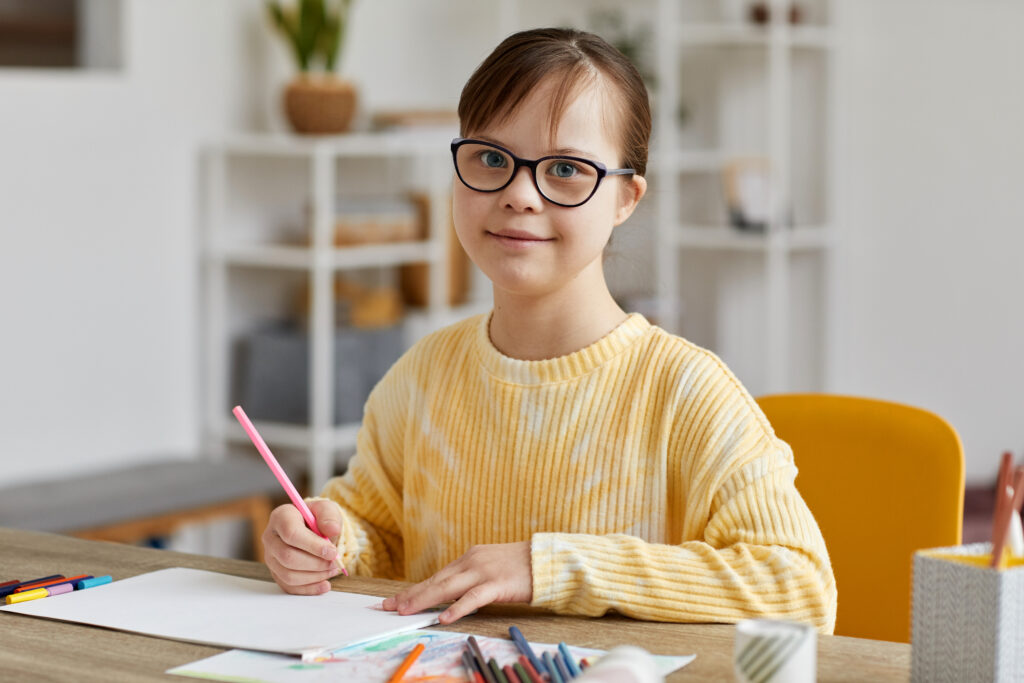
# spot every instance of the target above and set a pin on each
(561, 180)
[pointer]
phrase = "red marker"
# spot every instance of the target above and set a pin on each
(51, 582)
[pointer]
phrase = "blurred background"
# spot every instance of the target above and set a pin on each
(835, 205)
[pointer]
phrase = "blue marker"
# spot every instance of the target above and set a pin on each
(570, 663)
(549, 664)
(89, 583)
(524, 646)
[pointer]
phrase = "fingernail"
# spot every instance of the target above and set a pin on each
(329, 552)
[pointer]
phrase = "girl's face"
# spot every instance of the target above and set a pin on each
(526, 245)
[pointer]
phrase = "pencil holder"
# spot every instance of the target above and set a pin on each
(968, 620)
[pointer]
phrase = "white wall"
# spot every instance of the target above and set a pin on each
(97, 217)
(99, 194)
(928, 305)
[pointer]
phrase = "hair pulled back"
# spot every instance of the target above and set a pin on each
(574, 59)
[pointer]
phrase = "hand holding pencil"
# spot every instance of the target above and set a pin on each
(301, 562)
(300, 541)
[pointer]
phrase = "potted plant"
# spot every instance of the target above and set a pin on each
(316, 100)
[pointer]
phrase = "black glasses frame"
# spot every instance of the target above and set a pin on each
(519, 162)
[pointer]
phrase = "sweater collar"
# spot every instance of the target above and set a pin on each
(563, 368)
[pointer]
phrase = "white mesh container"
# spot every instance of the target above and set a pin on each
(968, 619)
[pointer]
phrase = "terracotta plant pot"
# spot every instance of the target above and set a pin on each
(318, 104)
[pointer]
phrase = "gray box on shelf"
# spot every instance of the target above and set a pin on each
(273, 371)
(968, 622)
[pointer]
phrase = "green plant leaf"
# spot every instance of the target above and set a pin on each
(311, 19)
(315, 30)
(286, 23)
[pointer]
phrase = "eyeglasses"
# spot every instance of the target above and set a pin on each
(562, 180)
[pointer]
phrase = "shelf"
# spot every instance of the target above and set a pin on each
(230, 242)
(299, 258)
(287, 435)
(393, 144)
(712, 34)
(727, 238)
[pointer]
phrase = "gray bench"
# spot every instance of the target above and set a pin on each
(141, 501)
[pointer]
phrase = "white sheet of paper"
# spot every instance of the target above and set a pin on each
(228, 611)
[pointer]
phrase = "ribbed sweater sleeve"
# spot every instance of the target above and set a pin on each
(759, 554)
(370, 493)
(644, 476)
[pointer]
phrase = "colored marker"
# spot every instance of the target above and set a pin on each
(510, 674)
(549, 664)
(7, 590)
(522, 673)
(524, 646)
(90, 582)
(530, 670)
(15, 582)
(26, 596)
(282, 478)
(406, 663)
(481, 662)
(471, 670)
(59, 589)
(570, 663)
(496, 670)
(563, 668)
(51, 582)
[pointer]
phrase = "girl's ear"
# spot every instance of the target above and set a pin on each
(632, 192)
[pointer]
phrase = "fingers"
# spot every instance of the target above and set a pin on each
(328, 518)
(300, 561)
(485, 574)
(449, 584)
(472, 600)
(287, 523)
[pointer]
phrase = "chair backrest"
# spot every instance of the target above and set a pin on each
(883, 480)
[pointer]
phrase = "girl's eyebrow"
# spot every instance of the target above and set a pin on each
(562, 151)
(572, 151)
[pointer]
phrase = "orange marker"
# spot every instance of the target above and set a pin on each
(406, 663)
(50, 582)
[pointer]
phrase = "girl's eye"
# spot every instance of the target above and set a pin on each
(564, 169)
(493, 159)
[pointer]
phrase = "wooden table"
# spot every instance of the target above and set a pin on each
(42, 649)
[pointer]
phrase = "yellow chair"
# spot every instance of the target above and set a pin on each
(883, 480)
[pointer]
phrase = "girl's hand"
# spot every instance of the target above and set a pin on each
(300, 561)
(486, 573)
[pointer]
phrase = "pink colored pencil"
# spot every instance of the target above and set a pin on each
(285, 482)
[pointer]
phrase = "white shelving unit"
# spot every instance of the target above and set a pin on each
(237, 238)
(687, 161)
(678, 28)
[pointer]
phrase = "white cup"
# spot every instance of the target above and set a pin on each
(770, 651)
(623, 664)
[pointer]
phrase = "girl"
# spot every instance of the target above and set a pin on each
(559, 451)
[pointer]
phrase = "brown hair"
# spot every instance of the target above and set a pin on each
(523, 60)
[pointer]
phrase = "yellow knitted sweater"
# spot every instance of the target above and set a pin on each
(643, 474)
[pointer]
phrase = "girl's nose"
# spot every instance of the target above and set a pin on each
(521, 194)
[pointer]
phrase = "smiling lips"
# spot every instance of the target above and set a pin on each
(517, 237)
